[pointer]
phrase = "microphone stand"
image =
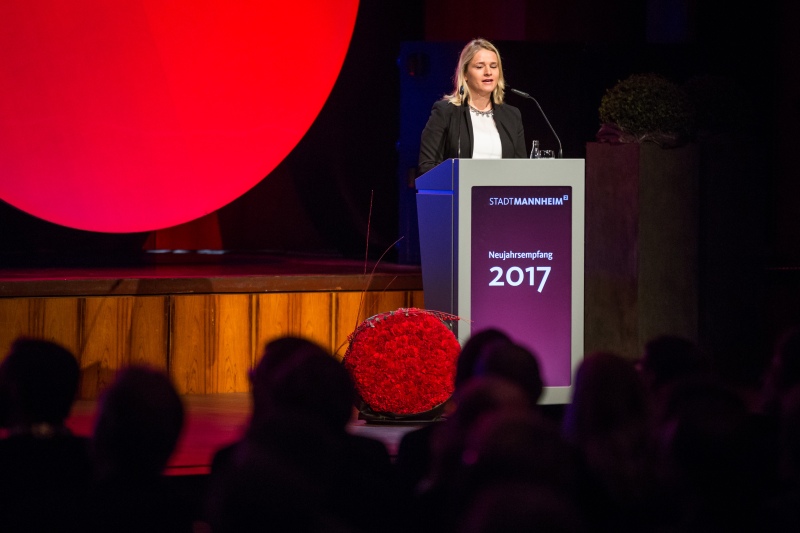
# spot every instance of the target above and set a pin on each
(460, 118)
(526, 95)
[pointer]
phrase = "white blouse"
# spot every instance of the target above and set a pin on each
(487, 140)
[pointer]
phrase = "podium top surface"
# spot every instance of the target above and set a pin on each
(446, 175)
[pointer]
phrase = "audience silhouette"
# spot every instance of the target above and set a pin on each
(44, 469)
(705, 459)
(608, 420)
(661, 444)
(783, 373)
(522, 449)
(297, 468)
(139, 420)
(514, 363)
(475, 346)
(438, 500)
(781, 511)
(489, 351)
(666, 360)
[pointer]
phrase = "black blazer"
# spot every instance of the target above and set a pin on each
(450, 125)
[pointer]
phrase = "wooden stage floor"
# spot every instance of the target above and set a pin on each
(215, 420)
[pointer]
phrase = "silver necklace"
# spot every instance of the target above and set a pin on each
(488, 113)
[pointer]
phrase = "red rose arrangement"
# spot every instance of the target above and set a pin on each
(403, 363)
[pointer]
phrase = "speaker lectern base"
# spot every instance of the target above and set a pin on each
(501, 244)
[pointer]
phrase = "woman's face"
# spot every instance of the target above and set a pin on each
(482, 73)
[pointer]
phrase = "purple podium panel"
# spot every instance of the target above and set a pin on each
(502, 246)
(521, 270)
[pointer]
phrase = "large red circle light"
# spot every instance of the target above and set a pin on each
(135, 115)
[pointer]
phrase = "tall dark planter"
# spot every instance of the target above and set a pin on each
(642, 245)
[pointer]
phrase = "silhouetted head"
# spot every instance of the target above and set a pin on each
(703, 430)
(608, 397)
(38, 382)
(139, 421)
(276, 353)
(476, 345)
(298, 376)
(669, 358)
(787, 357)
(783, 372)
(790, 436)
(477, 397)
(483, 394)
(514, 363)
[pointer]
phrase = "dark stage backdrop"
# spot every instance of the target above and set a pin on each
(349, 177)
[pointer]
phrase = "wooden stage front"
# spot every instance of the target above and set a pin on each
(202, 318)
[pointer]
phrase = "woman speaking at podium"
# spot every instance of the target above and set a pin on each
(472, 121)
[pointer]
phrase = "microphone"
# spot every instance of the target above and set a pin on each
(526, 95)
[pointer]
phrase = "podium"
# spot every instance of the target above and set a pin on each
(502, 246)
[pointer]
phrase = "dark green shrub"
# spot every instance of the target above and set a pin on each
(648, 107)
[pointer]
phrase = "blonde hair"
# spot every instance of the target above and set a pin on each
(464, 59)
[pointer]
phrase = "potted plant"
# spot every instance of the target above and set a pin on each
(641, 267)
(646, 108)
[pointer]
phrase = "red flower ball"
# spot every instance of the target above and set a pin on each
(403, 362)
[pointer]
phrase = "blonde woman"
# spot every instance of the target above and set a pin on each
(472, 121)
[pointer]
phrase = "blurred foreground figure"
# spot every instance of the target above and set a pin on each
(139, 420)
(44, 468)
(297, 468)
(609, 421)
